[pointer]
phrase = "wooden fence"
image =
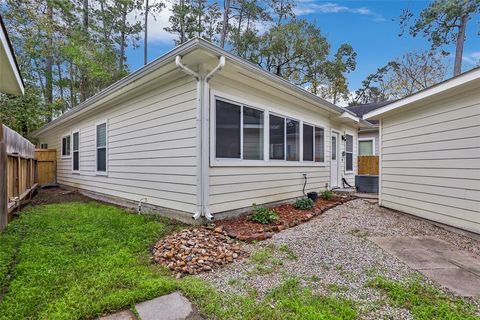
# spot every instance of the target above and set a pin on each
(368, 165)
(47, 166)
(17, 173)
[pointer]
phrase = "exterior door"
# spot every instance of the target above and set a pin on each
(334, 161)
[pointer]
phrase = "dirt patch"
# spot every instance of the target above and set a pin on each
(196, 250)
(57, 195)
(243, 229)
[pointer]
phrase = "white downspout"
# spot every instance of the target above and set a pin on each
(178, 63)
(203, 132)
(206, 137)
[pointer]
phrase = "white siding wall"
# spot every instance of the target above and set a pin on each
(235, 187)
(431, 161)
(151, 148)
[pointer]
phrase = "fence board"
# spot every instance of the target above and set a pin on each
(17, 172)
(368, 165)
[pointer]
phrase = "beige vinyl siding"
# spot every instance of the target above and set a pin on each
(431, 161)
(234, 187)
(151, 147)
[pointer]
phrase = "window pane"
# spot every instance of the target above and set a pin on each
(365, 148)
(252, 134)
(349, 146)
(334, 148)
(75, 161)
(277, 138)
(102, 159)
(68, 145)
(227, 130)
(75, 141)
(64, 146)
(307, 143)
(349, 163)
(102, 135)
(293, 140)
(320, 145)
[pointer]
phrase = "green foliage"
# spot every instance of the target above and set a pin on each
(424, 301)
(263, 215)
(304, 203)
(327, 194)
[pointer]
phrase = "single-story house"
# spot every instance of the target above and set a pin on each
(367, 135)
(11, 81)
(430, 152)
(202, 132)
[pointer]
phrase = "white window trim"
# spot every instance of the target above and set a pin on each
(367, 139)
(353, 153)
(230, 162)
(102, 173)
(73, 132)
(61, 147)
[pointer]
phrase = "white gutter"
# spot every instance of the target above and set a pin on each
(203, 121)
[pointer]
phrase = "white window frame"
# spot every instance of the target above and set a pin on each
(313, 151)
(267, 110)
(73, 150)
(61, 147)
(353, 152)
(102, 173)
(367, 139)
(43, 146)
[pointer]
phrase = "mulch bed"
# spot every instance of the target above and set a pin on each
(57, 195)
(243, 229)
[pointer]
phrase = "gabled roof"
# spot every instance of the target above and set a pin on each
(182, 50)
(362, 109)
(466, 81)
(10, 78)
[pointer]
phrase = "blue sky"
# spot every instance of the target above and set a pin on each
(371, 27)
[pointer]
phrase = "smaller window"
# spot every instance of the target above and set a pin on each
(101, 145)
(349, 153)
(293, 140)
(43, 146)
(66, 146)
(365, 147)
(277, 138)
(76, 151)
(307, 142)
(320, 145)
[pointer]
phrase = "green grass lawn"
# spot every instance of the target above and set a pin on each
(82, 260)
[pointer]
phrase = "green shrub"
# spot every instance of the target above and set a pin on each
(304, 204)
(263, 215)
(326, 195)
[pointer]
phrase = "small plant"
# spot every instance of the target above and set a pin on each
(263, 215)
(304, 204)
(326, 194)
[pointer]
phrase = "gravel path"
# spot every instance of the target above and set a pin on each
(333, 254)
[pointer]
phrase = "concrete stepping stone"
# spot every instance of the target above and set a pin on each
(173, 306)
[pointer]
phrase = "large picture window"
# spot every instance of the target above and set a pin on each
(76, 151)
(238, 131)
(101, 146)
(66, 146)
(349, 153)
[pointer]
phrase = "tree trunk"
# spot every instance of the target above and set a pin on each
(457, 69)
(49, 64)
(122, 41)
(226, 13)
(83, 76)
(145, 40)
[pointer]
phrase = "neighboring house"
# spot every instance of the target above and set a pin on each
(368, 136)
(199, 132)
(430, 152)
(11, 81)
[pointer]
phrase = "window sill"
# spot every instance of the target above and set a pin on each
(101, 173)
(261, 163)
(76, 172)
(65, 157)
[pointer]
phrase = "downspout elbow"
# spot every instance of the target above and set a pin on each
(220, 65)
(184, 68)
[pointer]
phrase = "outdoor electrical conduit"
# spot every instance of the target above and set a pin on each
(202, 120)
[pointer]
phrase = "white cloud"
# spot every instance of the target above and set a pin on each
(472, 58)
(310, 6)
(156, 24)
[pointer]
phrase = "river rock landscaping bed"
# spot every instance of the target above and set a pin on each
(243, 229)
(197, 250)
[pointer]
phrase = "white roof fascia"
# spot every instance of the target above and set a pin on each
(449, 84)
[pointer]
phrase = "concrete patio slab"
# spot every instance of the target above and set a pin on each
(452, 268)
(169, 307)
(458, 280)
